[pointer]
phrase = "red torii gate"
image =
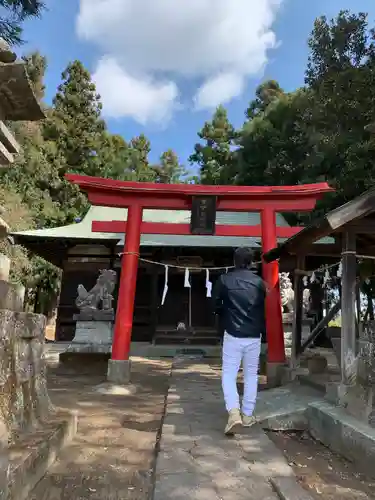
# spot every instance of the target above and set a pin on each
(136, 196)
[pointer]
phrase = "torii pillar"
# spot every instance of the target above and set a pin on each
(136, 196)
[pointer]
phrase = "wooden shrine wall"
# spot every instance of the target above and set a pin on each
(148, 312)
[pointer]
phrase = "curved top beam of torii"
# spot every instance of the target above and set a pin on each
(109, 192)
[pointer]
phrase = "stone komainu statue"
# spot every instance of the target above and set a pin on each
(100, 293)
(286, 292)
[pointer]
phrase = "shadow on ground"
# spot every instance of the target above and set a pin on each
(113, 454)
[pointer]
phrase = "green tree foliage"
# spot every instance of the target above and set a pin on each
(137, 166)
(274, 145)
(318, 133)
(169, 170)
(75, 124)
(265, 94)
(18, 217)
(214, 155)
(36, 65)
(341, 74)
(13, 13)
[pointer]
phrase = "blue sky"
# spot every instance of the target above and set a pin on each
(139, 84)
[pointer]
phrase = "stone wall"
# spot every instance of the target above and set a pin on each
(24, 400)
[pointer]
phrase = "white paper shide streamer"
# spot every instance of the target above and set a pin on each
(339, 271)
(187, 279)
(165, 290)
(208, 284)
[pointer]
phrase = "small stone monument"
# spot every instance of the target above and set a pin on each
(94, 323)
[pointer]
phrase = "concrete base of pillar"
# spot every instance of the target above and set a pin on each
(119, 371)
(277, 374)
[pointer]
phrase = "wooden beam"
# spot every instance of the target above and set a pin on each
(322, 324)
(354, 210)
(336, 220)
(8, 139)
(184, 229)
(320, 250)
(348, 315)
(362, 226)
(174, 202)
(87, 183)
(298, 312)
(6, 158)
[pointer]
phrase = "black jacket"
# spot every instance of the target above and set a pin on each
(239, 300)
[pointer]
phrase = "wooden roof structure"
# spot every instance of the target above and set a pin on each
(356, 216)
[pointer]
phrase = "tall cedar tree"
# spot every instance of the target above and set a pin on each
(138, 167)
(76, 126)
(215, 156)
(169, 170)
(74, 138)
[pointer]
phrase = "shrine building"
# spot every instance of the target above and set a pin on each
(81, 253)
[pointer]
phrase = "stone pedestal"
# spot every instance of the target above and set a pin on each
(92, 336)
(119, 371)
(288, 330)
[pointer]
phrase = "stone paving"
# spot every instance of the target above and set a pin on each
(198, 462)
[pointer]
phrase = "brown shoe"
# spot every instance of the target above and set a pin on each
(234, 422)
(248, 421)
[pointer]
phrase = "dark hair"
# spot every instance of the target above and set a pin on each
(243, 258)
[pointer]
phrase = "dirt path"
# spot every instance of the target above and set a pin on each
(325, 475)
(112, 456)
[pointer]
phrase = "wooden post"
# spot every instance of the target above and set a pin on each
(298, 312)
(154, 300)
(348, 313)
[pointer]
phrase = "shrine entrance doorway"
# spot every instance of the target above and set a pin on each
(203, 202)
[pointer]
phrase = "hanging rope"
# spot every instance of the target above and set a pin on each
(175, 266)
(309, 275)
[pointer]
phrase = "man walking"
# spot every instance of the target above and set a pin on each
(239, 299)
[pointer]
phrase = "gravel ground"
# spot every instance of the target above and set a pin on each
(113, 453)
(324, 474)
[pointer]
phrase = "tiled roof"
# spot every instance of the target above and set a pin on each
(83, 230)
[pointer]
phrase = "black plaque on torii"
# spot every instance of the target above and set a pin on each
(203, 215)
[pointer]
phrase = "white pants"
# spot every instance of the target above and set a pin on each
(236, 350)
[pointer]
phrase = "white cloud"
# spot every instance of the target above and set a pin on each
(219, 89)
(141, 98)
(219, 43)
